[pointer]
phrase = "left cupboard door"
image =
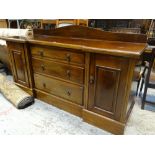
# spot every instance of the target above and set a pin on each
(18, 63)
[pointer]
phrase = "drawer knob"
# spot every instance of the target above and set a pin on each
(68, 93)
(44, 85)
(43, 67)
(41, 53)
(91, 79)
(68, 57)
(68, 73)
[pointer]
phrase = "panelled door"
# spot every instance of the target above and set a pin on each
(106, 85)
(18, 63)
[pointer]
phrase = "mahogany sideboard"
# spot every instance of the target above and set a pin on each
(85, 71)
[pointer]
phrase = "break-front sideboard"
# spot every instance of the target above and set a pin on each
(84, 71)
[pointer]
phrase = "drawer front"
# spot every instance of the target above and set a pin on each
(62, 89)
(67, 72)
(58, 54)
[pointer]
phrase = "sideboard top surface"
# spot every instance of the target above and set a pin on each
(89, 40)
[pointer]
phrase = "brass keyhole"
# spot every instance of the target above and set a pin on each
(91, 80)
(68, 73)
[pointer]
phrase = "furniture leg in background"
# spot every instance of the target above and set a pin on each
(148, 82)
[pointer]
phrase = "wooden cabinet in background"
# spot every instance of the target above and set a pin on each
(3, 23)
(55, 23)
(81, 22)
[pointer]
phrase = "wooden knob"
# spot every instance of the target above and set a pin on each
(68, 93)
(43, 67)
(68, 57)
(44, 85)
(91, 80)
(41, 53)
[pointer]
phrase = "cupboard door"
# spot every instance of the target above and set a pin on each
(18, 63)
(106, 85)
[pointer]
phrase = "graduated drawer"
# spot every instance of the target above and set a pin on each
(58, 54)
(67, 72)
(59, 88)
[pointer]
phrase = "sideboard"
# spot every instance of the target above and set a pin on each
(84, 71)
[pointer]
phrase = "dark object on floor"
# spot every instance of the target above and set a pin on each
(3, 68)
(26, 105)
(26, 102)
(150, 79)
(151, 41)
(4, 56)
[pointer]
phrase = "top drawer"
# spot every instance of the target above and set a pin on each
(59, 54)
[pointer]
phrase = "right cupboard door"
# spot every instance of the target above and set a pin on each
(107, 85)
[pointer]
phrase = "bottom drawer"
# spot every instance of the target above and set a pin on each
(59, 88)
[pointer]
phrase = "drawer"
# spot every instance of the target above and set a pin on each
(58, 54)
(67, 72)
(59, 88)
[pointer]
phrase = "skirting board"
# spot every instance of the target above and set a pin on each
(102, 122)
(59, 102)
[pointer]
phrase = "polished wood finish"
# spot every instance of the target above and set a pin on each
(55, 54)
(60, 70)
(59, 88)
(105, 90)
(91, 33)
(18, 62)
(20, 65)
(84, 71)
(126, 30)
(103, 122)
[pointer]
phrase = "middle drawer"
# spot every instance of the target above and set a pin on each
(64, 71)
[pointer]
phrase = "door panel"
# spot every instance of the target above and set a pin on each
(17, 56)
(107, 78)
(108, 85)
(18, 63)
